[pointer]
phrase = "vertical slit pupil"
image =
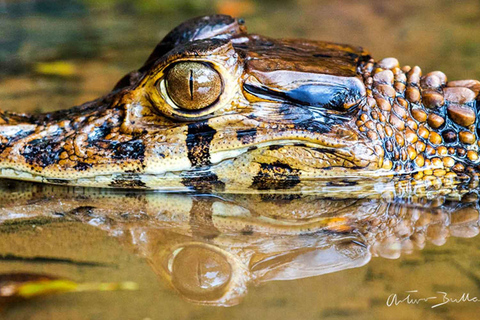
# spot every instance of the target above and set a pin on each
(191, 85)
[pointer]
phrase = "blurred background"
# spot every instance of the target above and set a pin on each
(59, 53)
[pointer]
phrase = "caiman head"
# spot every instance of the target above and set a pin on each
(213, 108)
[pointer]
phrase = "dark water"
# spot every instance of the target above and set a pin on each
(234, 257)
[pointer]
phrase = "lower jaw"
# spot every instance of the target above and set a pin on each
(328, 187)
(331, 186)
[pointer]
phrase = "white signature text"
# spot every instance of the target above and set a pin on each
(442, 298)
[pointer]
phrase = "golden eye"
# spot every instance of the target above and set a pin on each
(193, 85)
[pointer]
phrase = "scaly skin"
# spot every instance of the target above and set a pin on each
(291, 116)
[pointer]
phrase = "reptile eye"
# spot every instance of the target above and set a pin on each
(193, 85)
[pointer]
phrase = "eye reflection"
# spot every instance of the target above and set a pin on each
(200, 274)
(193, 85)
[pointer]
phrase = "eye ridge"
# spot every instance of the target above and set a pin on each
(193, 85)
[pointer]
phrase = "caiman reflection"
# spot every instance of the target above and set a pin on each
(215, 108)
(211, 249)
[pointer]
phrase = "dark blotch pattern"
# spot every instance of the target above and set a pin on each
(199, 137)
(276, 176)
(247, 136)
(98, 134)
(201, 222)
(202, 181)
(127, 182)
(82, 166)
(130, 150)
(42, 152)
(275, 147)
(279, 198)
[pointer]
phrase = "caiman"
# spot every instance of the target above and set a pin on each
(215, 108)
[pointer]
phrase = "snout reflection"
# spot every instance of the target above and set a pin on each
(210, 249)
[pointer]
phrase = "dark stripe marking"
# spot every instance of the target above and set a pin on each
(202, 181)
(201, 221)
(127, 182)
(276, 176)
(247, 136)
(199, 137)
(279, 198)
